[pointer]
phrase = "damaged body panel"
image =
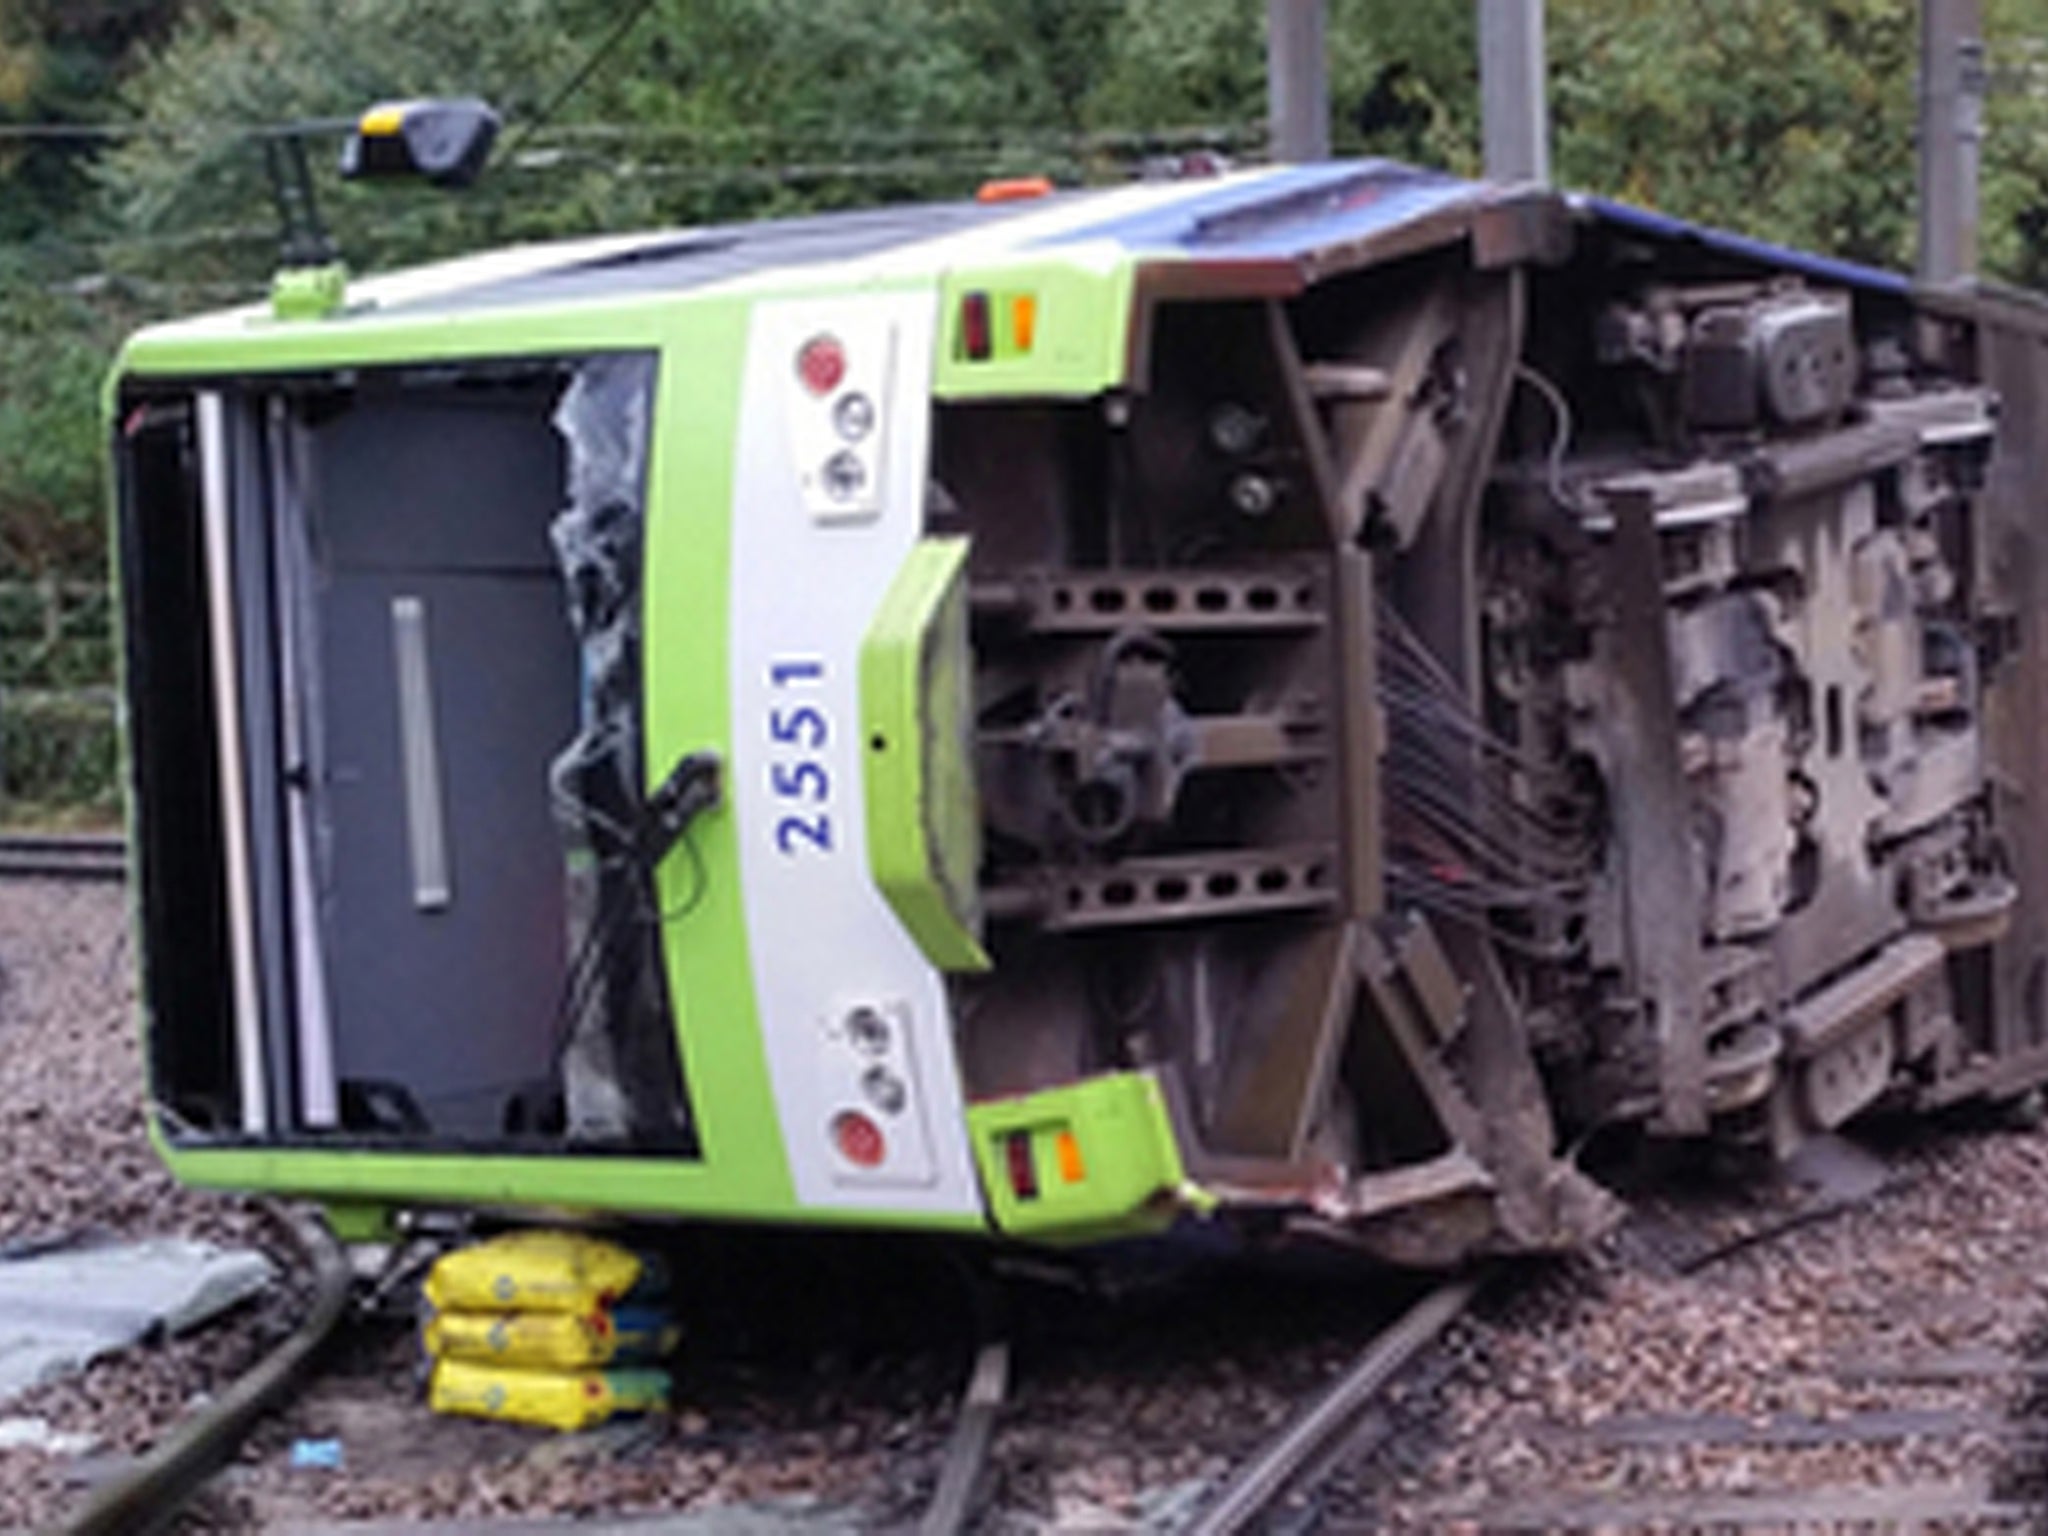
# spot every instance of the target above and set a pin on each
(1284, 702)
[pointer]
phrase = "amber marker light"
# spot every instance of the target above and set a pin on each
(1013, 189)
(1024, 320)
(1066, 1151)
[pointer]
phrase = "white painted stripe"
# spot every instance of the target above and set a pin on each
(842, 990)
(227, 706)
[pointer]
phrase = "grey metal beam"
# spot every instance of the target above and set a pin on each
(1952, 76)
(1297, 79)
(1514, 103)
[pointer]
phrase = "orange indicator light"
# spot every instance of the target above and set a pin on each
(1066, 1148)
(1023, 320)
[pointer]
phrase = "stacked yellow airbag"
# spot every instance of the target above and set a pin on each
(544, 1327)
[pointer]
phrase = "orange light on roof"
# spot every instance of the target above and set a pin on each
(1066, 1151)
(1013, 189)
(1023, 320)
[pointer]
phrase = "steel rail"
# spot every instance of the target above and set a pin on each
(1260, 1483)
(148, 1495)
(63, 856)
(960, 1476)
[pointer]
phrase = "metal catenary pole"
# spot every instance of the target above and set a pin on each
(1297, 79)
(1952, 77)
(1513, 99)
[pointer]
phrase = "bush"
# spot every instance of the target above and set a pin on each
(56, 634)
(59, 754)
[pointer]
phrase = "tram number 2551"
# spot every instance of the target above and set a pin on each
(797, 776)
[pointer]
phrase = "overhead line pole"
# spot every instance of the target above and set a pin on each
(1952, 78)
(1298, 79)
(1514, 105)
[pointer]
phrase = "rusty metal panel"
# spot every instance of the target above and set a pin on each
(1662, 906)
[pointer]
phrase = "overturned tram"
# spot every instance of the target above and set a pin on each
(1276, 703)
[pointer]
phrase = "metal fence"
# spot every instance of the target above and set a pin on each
(58, 706)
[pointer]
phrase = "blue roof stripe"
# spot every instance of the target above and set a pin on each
(1827, 268)
(1293, 210)
(1286, 213)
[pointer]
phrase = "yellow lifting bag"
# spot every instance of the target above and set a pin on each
(551, 1340)
(538, 1271)
(557, 1399)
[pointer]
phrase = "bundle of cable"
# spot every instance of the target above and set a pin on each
(545, 1327)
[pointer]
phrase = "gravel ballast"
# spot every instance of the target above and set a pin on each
(1886, 1353)
(79, 1166)
(818, 1383)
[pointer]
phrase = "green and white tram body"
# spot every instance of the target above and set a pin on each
(1269, 701)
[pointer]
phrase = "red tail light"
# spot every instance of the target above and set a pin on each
(858, 1139)
(977, 335)
(821, 364)
(1023, 1167)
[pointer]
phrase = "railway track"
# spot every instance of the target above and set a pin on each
(1308, 1447)
(1909, 1420)
(149, 1494)
(63, 856)
(1922, 1323)
(1817, 1375)
(1294, 1482)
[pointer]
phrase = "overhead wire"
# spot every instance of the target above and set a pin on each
(144, 128)
(922, 153)
(581, 76)
(497, 192)
(918, 137)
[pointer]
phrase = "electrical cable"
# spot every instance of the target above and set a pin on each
(617, 900)
(1479, 829)
(700, 883)
(919, 138)
(108, 132)
(576, 81)
(1561, 439)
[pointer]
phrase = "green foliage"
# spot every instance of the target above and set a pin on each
(1788, 119)
(54, 345)
(1175, 62)
(59, 756)
(738, 108)
(1403, 76)
(57, 712)
(56, 634)
(1791, 121)
(198, 186)
(60, 60)
(2014, 229)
